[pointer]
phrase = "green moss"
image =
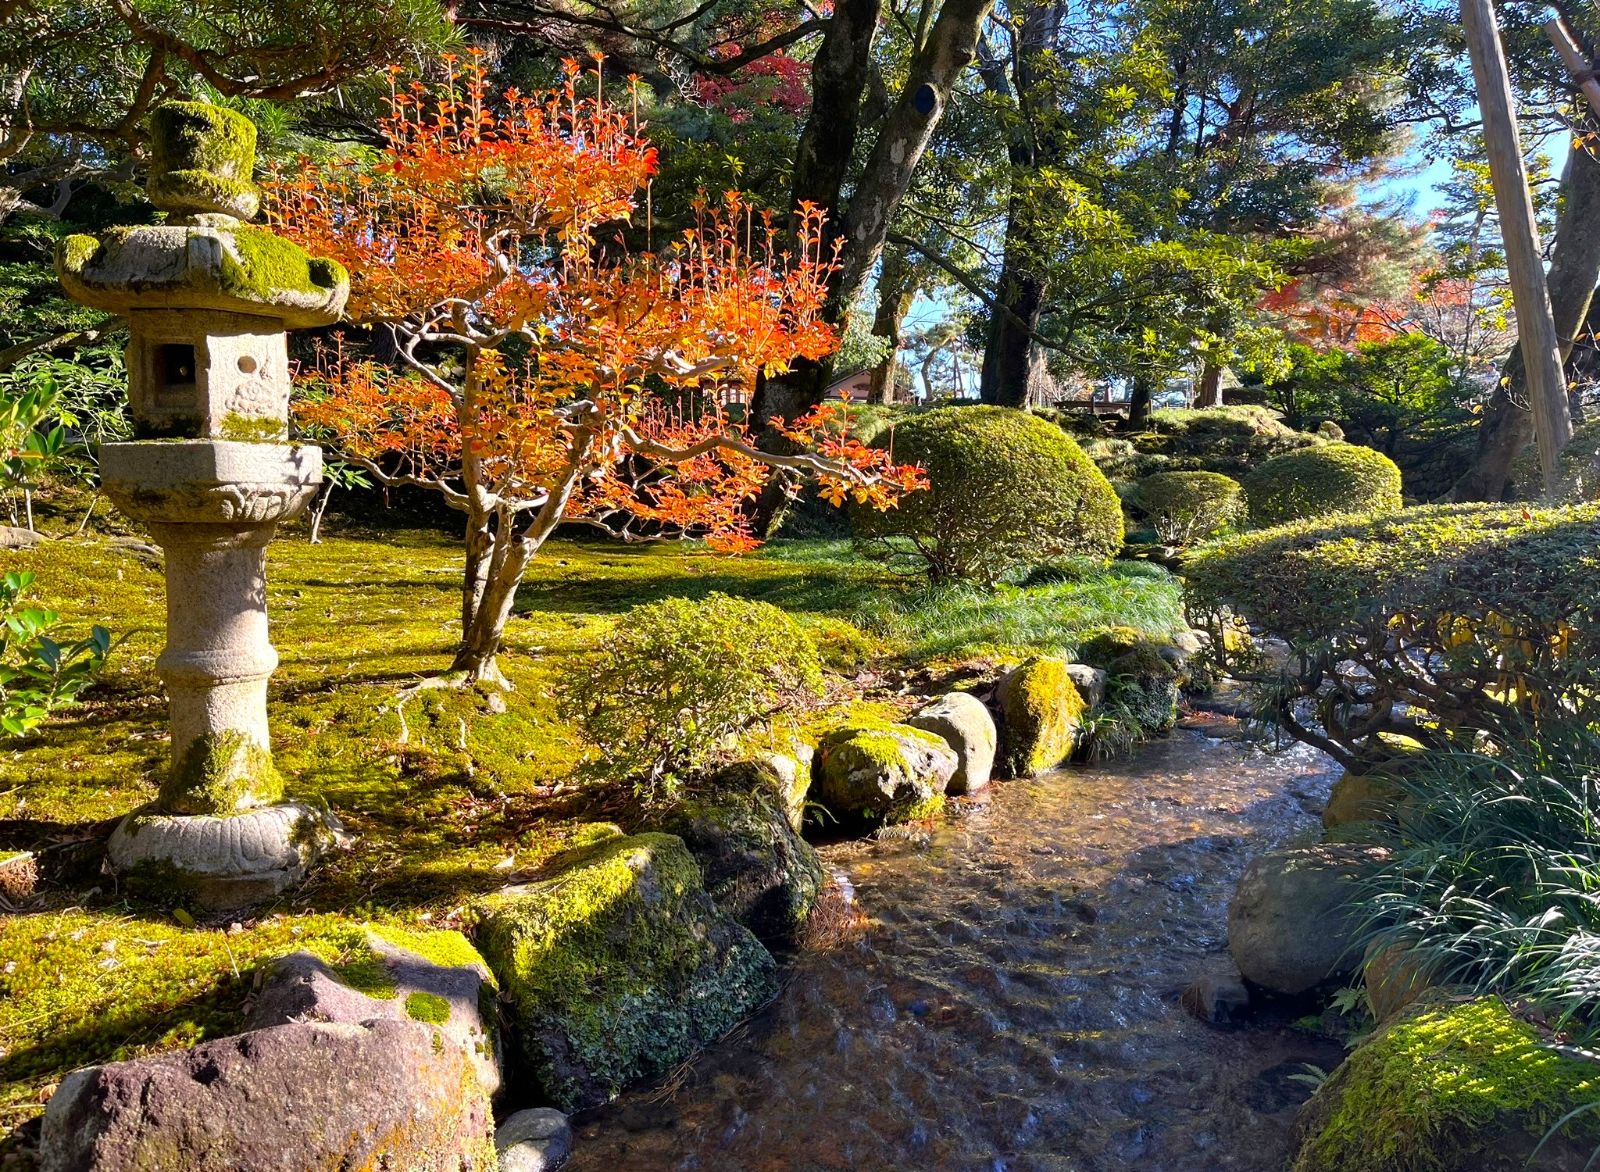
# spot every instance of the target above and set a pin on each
(427, 1007)
(188, 136)
(1041, 711)
(74, 252)
(443, 947)
(250, 429)
(616, 966)
(1440, 1090)
(1100, 647)
(1143, 688)
(219, 774)
(262, 266)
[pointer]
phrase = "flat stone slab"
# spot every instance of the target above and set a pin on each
(224, 862)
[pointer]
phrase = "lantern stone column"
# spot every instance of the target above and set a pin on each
(208, 299)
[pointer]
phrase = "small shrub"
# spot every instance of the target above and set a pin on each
(1007, 489)
(1431, 623)
(39, 673)
(679, 676)
(1333, 478)
(1185, 507)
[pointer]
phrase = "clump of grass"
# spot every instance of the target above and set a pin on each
(1493, 881)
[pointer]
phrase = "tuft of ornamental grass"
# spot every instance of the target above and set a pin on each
(1493, 882)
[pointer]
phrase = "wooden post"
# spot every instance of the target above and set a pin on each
(1536, 327)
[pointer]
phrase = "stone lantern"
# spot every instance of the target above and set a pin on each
(208, 299)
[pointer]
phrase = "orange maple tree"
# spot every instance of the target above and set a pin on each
(544, 364)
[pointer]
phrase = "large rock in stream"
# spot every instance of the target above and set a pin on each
(1041, 711)
(964, 723)
(892, 774)
(308, 1096)
(756, 866)
(617, 966)
(1293, 924)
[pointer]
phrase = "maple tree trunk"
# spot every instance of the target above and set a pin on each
(481, 634)
(1574, 271)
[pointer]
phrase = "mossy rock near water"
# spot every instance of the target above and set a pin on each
(1040, 712)
(1451, 1086)
(895, 773)
(617, 966)
(756, 866)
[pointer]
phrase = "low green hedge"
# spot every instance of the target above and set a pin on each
(1322, 481)
(1577, 470)
(1422, 622)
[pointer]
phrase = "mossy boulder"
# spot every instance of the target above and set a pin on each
(756, 866)
(319, 1095)
(964, 723)
(1293, 924)
(616, 966)
(895, 773)
(1040, 713)
(1451, 1086)
(435, 977)
(1361, 797)
(1143, 685)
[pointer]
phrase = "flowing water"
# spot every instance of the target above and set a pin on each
(1011, 1000)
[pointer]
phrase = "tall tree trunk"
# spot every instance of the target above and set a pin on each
(1139, 401)
(1008, 354)
(906, 130)
(897, 288)
(1208, 390)
(1574, 272)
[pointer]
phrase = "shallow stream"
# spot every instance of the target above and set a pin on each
(1010, 1000)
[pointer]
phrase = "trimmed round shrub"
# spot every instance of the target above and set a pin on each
(1006, 489)
(1185, 507)
(679, 676)
(1433, 623)
(1231, 440)
(1322, 481)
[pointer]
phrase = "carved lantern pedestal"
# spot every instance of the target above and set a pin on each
(208, 299)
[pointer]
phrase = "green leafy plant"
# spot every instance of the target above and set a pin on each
(1321, 482)
(680, 677)
(38, 673)
(1185, 507)
(1007, 489)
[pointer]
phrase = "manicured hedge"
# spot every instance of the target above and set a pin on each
(1007, 489)
(1464, 612)
(1320, 482)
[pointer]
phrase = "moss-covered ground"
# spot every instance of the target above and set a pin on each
(448, 796)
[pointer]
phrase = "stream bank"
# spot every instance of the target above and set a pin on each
(1009, 999)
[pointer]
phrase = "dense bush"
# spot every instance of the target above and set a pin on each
(1432, 622)
(1007, 489)
(1185, 507)
(1333, 478)
(1231, 440)
(678, 676)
